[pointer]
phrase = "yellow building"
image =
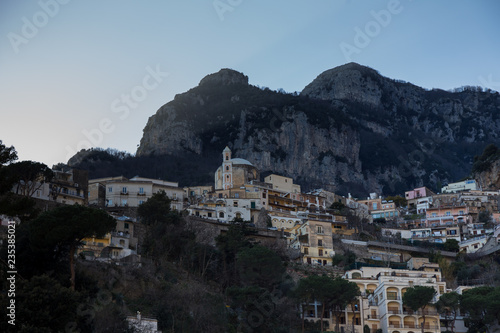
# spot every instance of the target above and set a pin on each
(314, 239)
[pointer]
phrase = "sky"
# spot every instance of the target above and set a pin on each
(78, 74)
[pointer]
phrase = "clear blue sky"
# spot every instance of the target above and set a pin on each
(67, 66)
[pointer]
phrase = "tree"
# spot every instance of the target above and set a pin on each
(448, 306)
(337, 206)
(451, 245)
(156, 209)
(305, 293)
(42, 305)
(7, 154)
(481, 306)
(343, 293)
(28, 176)
(447, 271)
(60, 231)
(259, 266)
(167, 236)
(229, 244)
(418, 298)
(398, 200)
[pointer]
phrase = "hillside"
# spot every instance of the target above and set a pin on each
(350, 130)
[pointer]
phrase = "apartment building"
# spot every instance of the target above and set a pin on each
(124, 192)
(314, 239)
(382, 307)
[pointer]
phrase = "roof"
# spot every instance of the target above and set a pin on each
(240, 161)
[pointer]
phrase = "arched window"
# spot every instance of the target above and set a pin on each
(227, 167)
(221, 214)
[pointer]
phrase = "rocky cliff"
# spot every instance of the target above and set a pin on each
(351, 129)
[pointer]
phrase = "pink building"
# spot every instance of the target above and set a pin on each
(448, 215)
(419, 192)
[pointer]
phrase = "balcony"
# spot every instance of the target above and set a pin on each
(393, 298)
(420, 313)
(120, 234)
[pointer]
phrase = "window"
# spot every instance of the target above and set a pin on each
(236, 195)
(306, 250)
(319, 229)
(461, 212)
(124, 190)
(141, 202)
(110, 202)
(434, 214)
(320, 253)
(174, 196)
(227, 157)
(320, 242)
(124, 202)
(209, 214)
(235, 203)
(374, 205)
(227, 167)
(448, 213)
(252, 204)
(126, 225)
(110, 189)
(264, 195)
(221, 214)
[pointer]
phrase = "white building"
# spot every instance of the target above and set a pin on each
(142, 324)
(466, 185)
(123, 192)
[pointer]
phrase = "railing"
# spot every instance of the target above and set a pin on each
(393, 311)
(420, 313)
(120, 234)
(372, 316)
(393, 298)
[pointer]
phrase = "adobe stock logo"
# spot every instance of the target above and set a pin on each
(120, 106)
(30, 28)
(372, 29)
(221, 7)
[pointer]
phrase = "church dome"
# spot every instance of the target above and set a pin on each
(240, 161)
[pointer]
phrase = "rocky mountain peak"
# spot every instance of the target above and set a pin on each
(351, 81)
(225, 77)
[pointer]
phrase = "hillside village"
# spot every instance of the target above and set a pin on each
(383, 245)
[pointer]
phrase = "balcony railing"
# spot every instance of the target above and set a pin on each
(393, 298)
(420, 312)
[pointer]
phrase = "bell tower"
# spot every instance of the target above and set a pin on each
(227, 169)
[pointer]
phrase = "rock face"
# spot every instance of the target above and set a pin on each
(351, 129)
(489, 179)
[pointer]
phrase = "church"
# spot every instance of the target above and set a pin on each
(234, 172)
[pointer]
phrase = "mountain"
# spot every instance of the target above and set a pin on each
(349, 130)
(486, 168)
